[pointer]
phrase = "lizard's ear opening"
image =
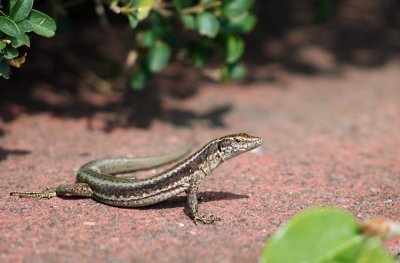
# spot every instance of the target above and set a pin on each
(219, 147)
(224, 145)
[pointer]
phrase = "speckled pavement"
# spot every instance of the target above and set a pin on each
(328, 141)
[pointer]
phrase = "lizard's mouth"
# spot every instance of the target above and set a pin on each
(236, 144)
(250, 145)
(253, 143)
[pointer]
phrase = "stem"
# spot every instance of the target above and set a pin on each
(163, 12)
(127, 9)
(200, 7)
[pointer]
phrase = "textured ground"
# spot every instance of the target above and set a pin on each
(329, 140)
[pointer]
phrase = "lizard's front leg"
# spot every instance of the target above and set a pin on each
(194, 185)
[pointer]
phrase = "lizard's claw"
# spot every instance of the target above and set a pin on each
(205, 218)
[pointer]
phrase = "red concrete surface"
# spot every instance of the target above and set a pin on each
(328, 141)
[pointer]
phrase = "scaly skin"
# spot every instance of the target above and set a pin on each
(96, 179)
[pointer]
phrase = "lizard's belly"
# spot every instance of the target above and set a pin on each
(136, 200)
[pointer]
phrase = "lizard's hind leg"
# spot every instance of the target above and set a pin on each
(64, 190)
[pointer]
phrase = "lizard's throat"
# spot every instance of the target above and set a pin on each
(211, 162)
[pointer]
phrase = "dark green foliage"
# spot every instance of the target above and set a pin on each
(208, 24)
(324, 235)
(17, 20)
(189, 31)
(324, 11)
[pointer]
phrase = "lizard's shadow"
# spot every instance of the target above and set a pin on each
(208, 196)
(4, 153)
(181, 200)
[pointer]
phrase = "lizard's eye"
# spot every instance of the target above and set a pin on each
(237, 140)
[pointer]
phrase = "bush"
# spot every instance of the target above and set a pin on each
(17, 20)
(329, 235)
(192, 32)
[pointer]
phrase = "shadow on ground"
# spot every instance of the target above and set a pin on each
(309, 38)
(128, 109)
(4, 153)
(204, 197)
(181, 201)
(299, 37)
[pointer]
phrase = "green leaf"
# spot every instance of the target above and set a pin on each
(42, 24)
(200, 57)
(8, 26)
(158, 56)
(199, 51)
(234, 48)
(313, 235)
(20, 10)
(233, 71)
(208, 24)
(189, 21)
(9, 52)
(180, 4)
(224, 73)
(12, 3)
(372, 252)
(2, 45)
(324, 11)
(4, 69)
(236, 71)
(20, 40)
(244, 23)
(159, 25)
(143, 8)
(234, 8)
(139, 79)
(133, 20)
(25, 26)
(148, 38)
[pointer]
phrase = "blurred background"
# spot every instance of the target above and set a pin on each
(82, 69)
(321, 90)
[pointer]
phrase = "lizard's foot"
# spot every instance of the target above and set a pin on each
(205, 218)
(45, 194)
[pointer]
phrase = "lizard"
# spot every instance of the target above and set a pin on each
(97, 179)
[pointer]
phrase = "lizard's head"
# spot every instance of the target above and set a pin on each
(232, 145)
